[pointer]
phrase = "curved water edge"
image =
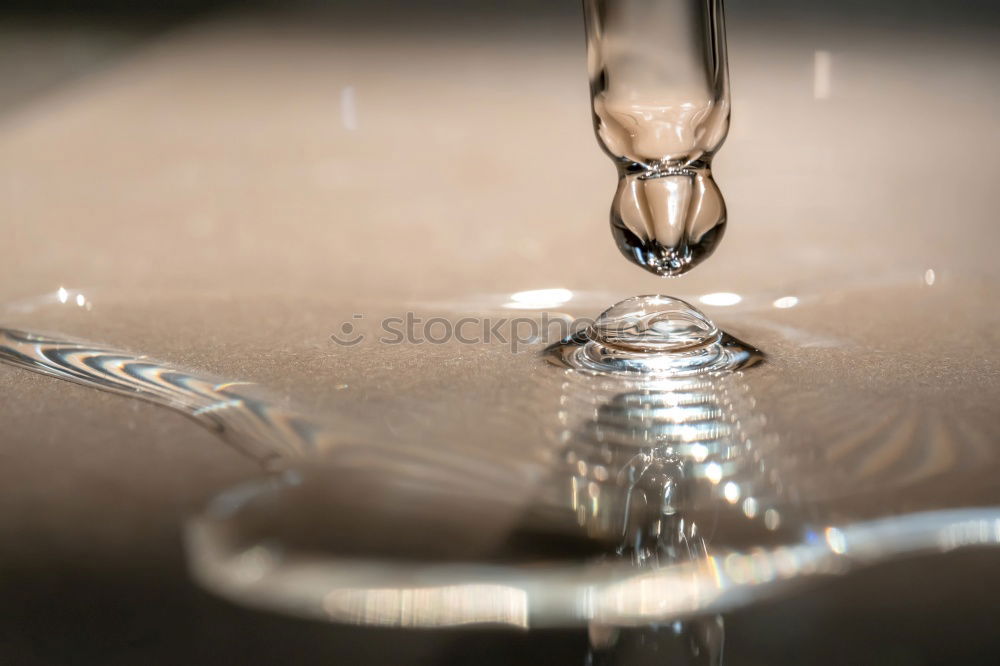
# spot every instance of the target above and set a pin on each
(666, 430)
(552, 594)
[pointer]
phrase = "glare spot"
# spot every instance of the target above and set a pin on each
(731, 492)
(750, 507)
(432, 606)
(348, 108)
(929, 277)
(254, 564)
(738, 568)
(713, 472)
(772, 519)
(228, 385)
(62, 294)
(539, 298)
(699, 452)
(786, 302)
(721, 298)
(822, 79)
(835, 539)
(80, 300)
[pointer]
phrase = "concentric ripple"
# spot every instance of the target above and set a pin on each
(654, 336)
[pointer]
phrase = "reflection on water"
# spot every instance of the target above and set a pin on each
(659, 447)
(664, 502)
(697, 439)
(257, 426)
(645, 456)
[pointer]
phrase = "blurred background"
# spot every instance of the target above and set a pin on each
(420, 149)
(234, 144)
